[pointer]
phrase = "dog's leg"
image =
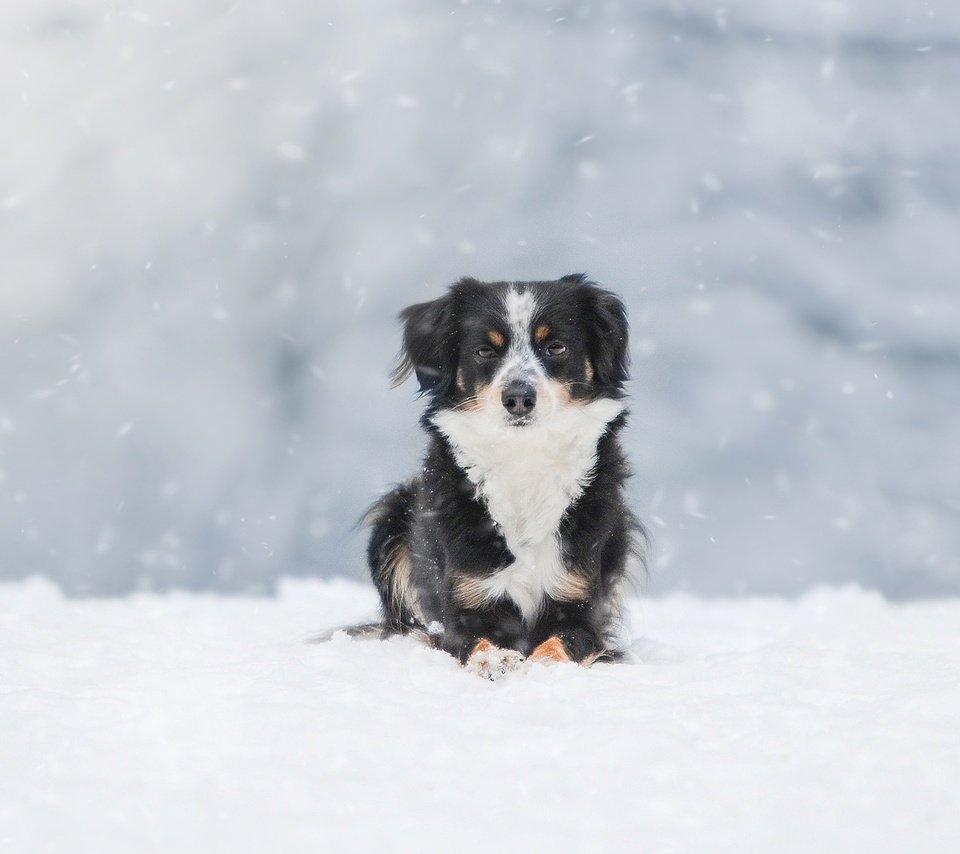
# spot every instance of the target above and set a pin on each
(568, 634)
(468, 638)
(573, 645)
(551, 649)
(390, 558)
(485, 639)
(490, 661)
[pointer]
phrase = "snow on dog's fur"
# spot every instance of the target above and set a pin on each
(514, 539)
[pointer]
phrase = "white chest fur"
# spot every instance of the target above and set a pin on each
(528, 477)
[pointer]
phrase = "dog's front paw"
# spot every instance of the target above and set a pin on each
(491, 662)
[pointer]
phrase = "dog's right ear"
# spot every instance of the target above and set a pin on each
(427, 344)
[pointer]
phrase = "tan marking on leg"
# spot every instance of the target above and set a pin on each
(541, 332)
(496, 338)
(551, 649)
(398, 568)
(573, 588)
(470, 592)
(482, 645)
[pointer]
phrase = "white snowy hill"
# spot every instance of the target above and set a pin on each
(196, 723)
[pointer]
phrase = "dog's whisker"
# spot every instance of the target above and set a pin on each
(464, 404)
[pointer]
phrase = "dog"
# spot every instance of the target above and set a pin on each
(514, 539)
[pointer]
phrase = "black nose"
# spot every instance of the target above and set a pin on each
(519, 399)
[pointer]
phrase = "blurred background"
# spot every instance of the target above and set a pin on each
(211, 213)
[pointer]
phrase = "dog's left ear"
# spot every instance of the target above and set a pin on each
(608, 337)
(427, 344)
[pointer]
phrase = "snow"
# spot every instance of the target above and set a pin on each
(193, 722)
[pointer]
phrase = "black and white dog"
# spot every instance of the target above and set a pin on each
(514, 539)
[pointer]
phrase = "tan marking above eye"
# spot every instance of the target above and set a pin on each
(496, 338)
(541, 332)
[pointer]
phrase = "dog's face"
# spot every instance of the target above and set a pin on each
(517, 353)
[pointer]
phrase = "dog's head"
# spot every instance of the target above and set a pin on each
(516, 352)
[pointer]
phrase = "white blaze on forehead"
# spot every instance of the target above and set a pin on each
(520, 307)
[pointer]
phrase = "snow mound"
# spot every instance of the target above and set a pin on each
(193, 722)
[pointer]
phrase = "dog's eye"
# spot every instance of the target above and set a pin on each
(485, 352)
(556, 348)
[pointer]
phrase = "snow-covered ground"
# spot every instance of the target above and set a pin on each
(191, 722)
